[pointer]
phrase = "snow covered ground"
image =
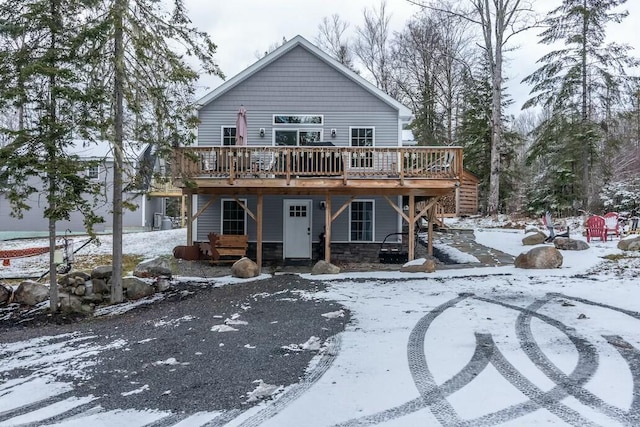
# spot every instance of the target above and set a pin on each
(475, 346)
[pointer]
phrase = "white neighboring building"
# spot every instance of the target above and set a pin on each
(141, 218)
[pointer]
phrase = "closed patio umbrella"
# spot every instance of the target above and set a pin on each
(241, 127)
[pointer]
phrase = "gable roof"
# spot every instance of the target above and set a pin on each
(403, 111)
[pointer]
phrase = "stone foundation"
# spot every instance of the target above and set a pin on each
(340, 252)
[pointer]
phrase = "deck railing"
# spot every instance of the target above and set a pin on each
(163, 187)
(241, 162)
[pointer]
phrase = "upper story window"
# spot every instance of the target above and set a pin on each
(93, 172)
(298, 119)
(362, 137)
(296, 136)
(228, 135)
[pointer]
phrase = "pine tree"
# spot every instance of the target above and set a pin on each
(576, 78)
(475, 136)
(151, 84)
(39, 81)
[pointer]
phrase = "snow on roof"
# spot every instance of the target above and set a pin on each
(407, 137)
(101, 149)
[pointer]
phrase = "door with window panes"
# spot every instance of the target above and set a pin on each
(297, 229)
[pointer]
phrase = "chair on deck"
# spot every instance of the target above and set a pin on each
(612, 223)
(596, 228)
(263, 162)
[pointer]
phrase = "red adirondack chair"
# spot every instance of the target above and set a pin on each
(612, 222)
(596, 228)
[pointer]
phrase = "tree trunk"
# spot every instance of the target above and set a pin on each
(51, 148)
(585, 114)
(118, 88)
(53, 279)
(494, 45)
(496, 135)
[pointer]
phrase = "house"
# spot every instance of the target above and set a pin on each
(296, 146)
(141, 218)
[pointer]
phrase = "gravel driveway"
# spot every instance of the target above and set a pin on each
(165, 355)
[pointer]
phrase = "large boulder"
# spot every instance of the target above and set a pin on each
(630, 244)
(324, 267)
(31, 293)
(245, 268)
(74, 304)
(531, 229)
(568, 244)
(73, 278)
(419, 266)
(135, 288)
(6, 294)
(100, 286)
(534, 238)
(162, 284)
(156, 267)
(102, 272)
(541, 257)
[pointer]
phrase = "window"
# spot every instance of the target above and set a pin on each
(93, 172)
(362, 137)
(298, 211)
(234, 218)
(228, 135)
(294, 137)
(362, 221)
(298, 119)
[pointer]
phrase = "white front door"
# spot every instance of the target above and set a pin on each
(297, 229)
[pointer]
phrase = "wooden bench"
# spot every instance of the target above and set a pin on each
(228, 245)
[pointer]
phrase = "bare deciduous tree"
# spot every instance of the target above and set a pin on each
(333, 40)
(498, 21)
(372, 48)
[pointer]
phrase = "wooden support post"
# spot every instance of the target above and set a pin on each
(232, 167)
(288, 164)
(401, 165)
(183, 208)
(412, 227)
(259, 233)
(346, 160)
(431, 215)
(327, 228)
(189, 218)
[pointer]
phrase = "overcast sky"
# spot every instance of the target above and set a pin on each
(244, 28)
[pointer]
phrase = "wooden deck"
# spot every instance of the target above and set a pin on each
(430, 172)
(422, 171)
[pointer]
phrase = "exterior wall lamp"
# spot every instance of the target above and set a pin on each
(333, 133)
(261, 132)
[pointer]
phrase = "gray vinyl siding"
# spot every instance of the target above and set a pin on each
(33, 220)
(210, 221)
(299, 83)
